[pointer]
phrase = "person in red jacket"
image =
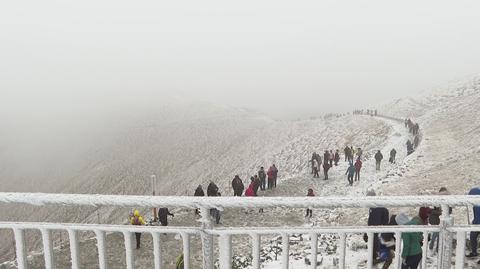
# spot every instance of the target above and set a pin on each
(270, 178)
(250, 192)
(358, 167)
(309, 210)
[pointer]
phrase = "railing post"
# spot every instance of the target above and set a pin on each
(460, 254)
(343, 247)
(128, 237)
(314, 250)
(445, 250)
(256, 242)
(102, 250)
(225, 251)
(20, 248)
(48, 248)
(370, 250)
(157, 250)
(424, 250)
(186, 250)
(73, 238)
(285, 251)
(398, 250)
(207, 239)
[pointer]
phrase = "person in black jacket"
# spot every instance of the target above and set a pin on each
(199, 192)
(378, 159)
(378, 216)
(212, 189)
(237, 186)
(163, 214)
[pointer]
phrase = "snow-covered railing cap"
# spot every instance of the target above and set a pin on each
(39, 199)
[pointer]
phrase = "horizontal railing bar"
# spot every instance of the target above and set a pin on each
(222, 231)
(465, 228)
(96, 227)
(40, 199)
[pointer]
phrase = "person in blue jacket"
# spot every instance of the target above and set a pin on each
(476, 220)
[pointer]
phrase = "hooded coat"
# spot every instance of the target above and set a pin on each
(476, 209)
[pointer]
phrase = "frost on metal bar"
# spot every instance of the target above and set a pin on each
(128, 237)
(314, 250)
(424, 249)
(102, 251)
(370, 250)
(225, 251)
(157, 250)
(398, 250)
(48, 248)
(186, 250)
(343, 246)
(256, 240)
(73, 239)
(20, 248)
(285, 251)
(460, 254)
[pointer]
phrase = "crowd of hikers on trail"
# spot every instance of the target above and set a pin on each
(368, 112)
(414, 130)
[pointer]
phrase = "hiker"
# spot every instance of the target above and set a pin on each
(347, 153)
(393, 153)
(256, 184)
(350, 173)
(434, 219)
(314, 158)
(250, 192)
(331, 158)
(387, 245)
(358, 167)
(378, 159)
(359, 153)
(326, 167)
(275, 175)
(412, 242)
(237, 186)
(262, 176)
(270, 177)
(475, 221)
(377, 216)
(198, 192)
(212, 189)
(309, 210)
(163, 214)
(137, 220)
(409, 147)
(316, 168)
(337, 157)
(352, 154)
(215, 213)
(416, 141)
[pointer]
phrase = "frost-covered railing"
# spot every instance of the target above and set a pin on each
(207, 231)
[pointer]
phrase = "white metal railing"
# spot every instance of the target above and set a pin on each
(207, 231)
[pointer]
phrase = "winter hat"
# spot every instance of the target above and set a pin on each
(371, 193)
(402, 219)
(423, 213)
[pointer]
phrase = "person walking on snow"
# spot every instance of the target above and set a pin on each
(316, 168)
(350, 173)
(331, 158)
(378, 159)
(314, 158)
(326, 167)
(256, 184)
(359, 153)
(163, 214)
(475, 221)
(337, 157)
(309, 210)
(270, 177)
(347, 153)
(393, 154)
(137, 220)
(358, 167)
(262, 176)
(237, 186)
(275, 175)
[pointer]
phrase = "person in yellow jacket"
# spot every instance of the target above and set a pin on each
(137, 219)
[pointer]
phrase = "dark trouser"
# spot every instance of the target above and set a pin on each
(412, 262)
(309, 213)
(331, 163)
(275, 181)
(474, 241)
(435, 239)
(350, 179)
(263, 184)
(378, 165)
(357, 175)
(164, 222)
(237, 192)
(270, 183)
(325, 173)
(315, 173)
(137, 237)
(389, 260)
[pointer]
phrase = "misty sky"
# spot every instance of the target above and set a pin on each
(283, 58)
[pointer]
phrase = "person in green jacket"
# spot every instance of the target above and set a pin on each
(412, 249)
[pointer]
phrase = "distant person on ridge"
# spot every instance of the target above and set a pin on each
(309, 210)
(237, 186)
(337, 157)
(358, 167)
(316, 168)
(163, 214)
(347, 153)
(326, 167)
(378, 159)
(410, 149)
(212, 189)
(275, 175)
(256, 184)
(199, 192)
(262, 176)
(359, 153)
(137, 220)
(331, 157)
(393, 154)
(350, 173)
(314, 158)
(326, 158)
(270, 178)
